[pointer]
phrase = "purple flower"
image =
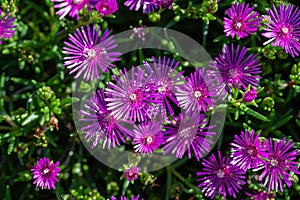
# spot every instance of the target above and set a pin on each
(146, 5)
(242, 21)
(236, 68)
(88, 53)
(261, 196)
(132, 98)
(283, 28)
(45, 173)
(147, 138)
(200, 91)
(280, 161)
(164, 75)
(102, 123)
(6, 26)
(124, 198)
(250, 95)
(107, 7)
(69, 6)
(247, 150)
(189, 132)
(164, 3)
(132, 173)
(218, 175)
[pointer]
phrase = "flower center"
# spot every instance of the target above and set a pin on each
(45, 171)
(238, 25)
(233, 75)
(132, 97)
(198, 94)
(285, 31)
(220, 173)
(274, 162)
(77, 1)
(91, 53)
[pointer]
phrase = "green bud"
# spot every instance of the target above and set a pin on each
(154, 17)
(45, 93)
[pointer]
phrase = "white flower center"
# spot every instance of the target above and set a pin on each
(285, 30)
(46, 171)
(250, 151)
(149, 140)
(274, 162)
(91, 53)
(132, 97)
(197, 94)
(185, 133)
(220, 173)
(77, 1)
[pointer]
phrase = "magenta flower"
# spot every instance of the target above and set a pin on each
(102, 123)
(146, 5)
(283, 28)
(260, 196)
(247, 150)
(242, 21)
(280, 161)
(236, 68)
(164, 3)
(250, 95)
(107, 7)
(45, 173)
(163, 73)
(71, 7)
(219, 176)
(132, 173)
(6, 26)
(132, 98)
(189, 132)
(88, 54)
(147, 138)
(200, 91)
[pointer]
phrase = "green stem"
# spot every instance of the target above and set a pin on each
(181, 178)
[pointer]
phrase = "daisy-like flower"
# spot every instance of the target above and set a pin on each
(200, 91)
(132, 98)
(280, 161)
(124, 198)
(6, 26)
(89, 54)
(163, 73)
(189, 132)
(71, 7)
(107, 7)
(283, 28)
(247, 150)
(147, 138)
(45, 173)
(236, 68)
(102, 123)
(242, 21)
(146, 5)
(219, 176)
(132, 173)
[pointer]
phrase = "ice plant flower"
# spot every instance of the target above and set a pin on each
(164, 3)
(247, 150)
(147, 137)
(124, 198)
(132, 98)
(146, 5)
(190, 132)
(242, 20)
(89, 54)
(280, 161)
(236, 68)
(283, 28)
(221, 177)
(250, 95)
(132, 173)
(45, 173)
(163, 73)
(200, 91)
(101, 123)
(71, 7)
(6, 26)
(107, 7)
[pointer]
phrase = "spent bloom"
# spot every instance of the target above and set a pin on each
(132, 173)
(247, 150)
(219, 176)
(242, 20)
(283, 28)
(71, 7)
(236, 68)
(147, 137)
(188, 132)
(107, 7)
(45, 173)
(89, 54)
(132, 98)
(200, 91)
(250, 95)
(101, 123)
(6, 26)
(281, 159)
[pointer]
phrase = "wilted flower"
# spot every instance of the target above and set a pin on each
(132, 173)
(281, 159)
(247, 150)
(283, 28)
(219, 176)
(242, 21)
(45, 173)
(107, 7)
(6, 26)
(72, 7)
(88, 53)
(102, 123)
(250, 95)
